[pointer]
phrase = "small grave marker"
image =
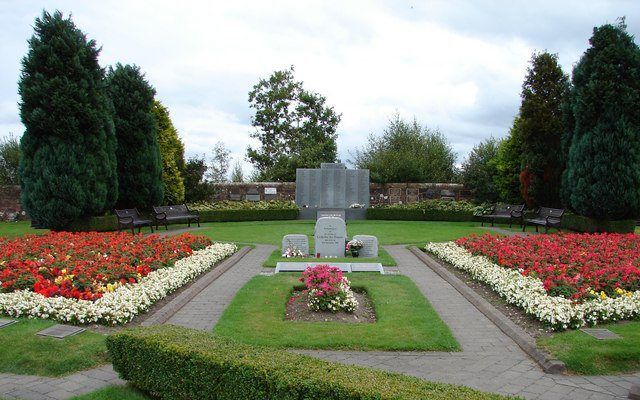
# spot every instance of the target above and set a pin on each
(6, 322)
(370, 248)
(300, 242)
(60, 331)
(600, 333)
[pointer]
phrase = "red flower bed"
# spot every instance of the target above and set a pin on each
(85, 265)
(569, 265)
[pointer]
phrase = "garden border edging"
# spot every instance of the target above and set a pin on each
(522, 339)
(167, 311)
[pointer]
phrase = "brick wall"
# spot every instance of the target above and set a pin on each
(10, 202)
(391, 193)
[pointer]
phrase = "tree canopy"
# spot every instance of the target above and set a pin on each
(9, 160)
(295, 128)
(407, 152)
(139, 166)
(508, 164)
(68, 163)
(602, 179)
(480, 169)
(172, 155)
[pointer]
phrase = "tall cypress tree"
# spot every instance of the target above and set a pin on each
(68, 164)
(541, 125)
(602, 179)
(172, 154)
(139, 164)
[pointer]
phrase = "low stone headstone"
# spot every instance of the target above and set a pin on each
(60, 331)
(337, 213)
(370, 248)
(330, 235)
(600, 333)
(6, 322)
(300, 242)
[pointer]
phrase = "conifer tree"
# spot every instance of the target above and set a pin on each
(541, 125)
(602, 180)
(139, 164)
(172, 154)
(68, 164)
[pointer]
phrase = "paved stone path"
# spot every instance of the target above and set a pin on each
(489, 361)
(207, 307)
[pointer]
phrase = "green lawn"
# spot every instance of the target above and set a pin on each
(587, 355)
(23, 352)
(383, 258)
(13, 229)
(388, 232)
(114, 393)
(405, 319)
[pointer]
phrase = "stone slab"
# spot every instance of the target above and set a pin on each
(600, 333)
(330, 235)
(300, 242)
(252, 197)
(6, 322)
(344, 267)
(370, 249)
(331, 212)
(59, 331)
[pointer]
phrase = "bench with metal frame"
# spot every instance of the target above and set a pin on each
(179, 212)
(130, 218)
(505, 211)
(547, 217)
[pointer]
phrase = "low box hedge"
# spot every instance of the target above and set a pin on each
(103, 223)
(416, 214)
(581, 223)
(247, 215)
(176, 363)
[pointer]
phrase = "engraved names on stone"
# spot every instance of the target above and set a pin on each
(300, 242)
(370, 248)
(330, 234)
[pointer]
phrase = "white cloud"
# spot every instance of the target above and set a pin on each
(457, 66)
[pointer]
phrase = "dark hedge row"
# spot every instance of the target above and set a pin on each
(416, 214)
(177, 363)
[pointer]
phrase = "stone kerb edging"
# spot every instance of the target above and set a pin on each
(508, 327)
(168, 310)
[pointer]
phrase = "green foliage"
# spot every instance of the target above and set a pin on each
(236, 173)
(9, 160)
(114, 393)
(295, 127)
(541, 125)
(244, 205)
(196, 188)
(172, 155)
(219, 168)
(480, 170)
(248, 215)
(68, 163)
(102, 223)
(508, 163)
(139, 164)
(177, 363)
(602, 179)
(589, 225)
(427, 210)
(407, 152)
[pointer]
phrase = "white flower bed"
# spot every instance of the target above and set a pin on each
(124, 303)
(528, 293)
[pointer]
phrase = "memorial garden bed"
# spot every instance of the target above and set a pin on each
(563, 280)
(105, 278)
(404, 318)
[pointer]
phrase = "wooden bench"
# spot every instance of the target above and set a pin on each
(179, 212)
(547, 217)
(131, 218)
(505, 211)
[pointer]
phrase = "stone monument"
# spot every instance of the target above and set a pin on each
(370, 248)
(334, 187)
(330, 235)
(300, 242)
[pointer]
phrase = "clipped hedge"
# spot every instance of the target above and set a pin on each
(580, 223)
(416, 214)
(247, 215)
(176, 363)
(244, 205)
(103, 223)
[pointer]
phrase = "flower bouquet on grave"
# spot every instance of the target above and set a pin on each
(328, 290)
(354, 246)
(293, 252)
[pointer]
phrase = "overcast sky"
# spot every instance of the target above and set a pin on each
(455, 65)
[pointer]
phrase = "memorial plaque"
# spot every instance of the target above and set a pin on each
(336, 212)
(600, 333)
(331, 186)
(60, 331)
(270, 190)
(6, 322)
(252, 197)
(332, 166)
(370, 248)
(300, 242)
(332, 194)
(330, 235)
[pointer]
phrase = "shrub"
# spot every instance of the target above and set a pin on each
(327, 289)
(580, 223)
(248, 215)
(177, 363)
(244, 205)
(428, 210)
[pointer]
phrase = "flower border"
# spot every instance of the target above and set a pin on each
(529, 294)
(123, 304)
